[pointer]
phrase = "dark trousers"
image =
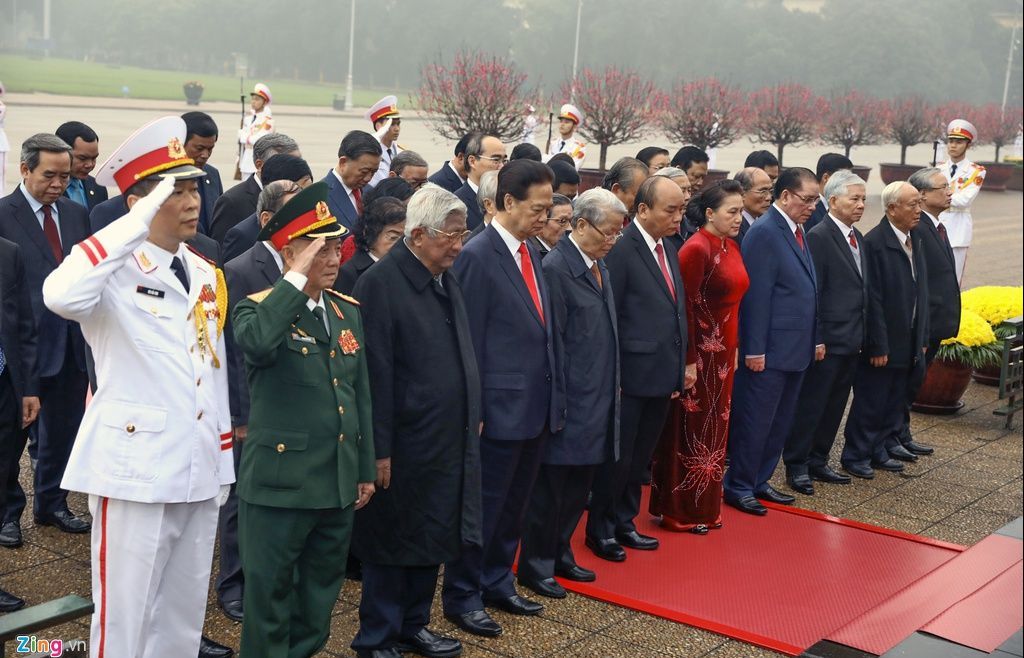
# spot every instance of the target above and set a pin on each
(879, 400)
(555, 509)
(819, 411)
(395, 604)
(617, 485)
(763, 404)
(12, 437)
(230, 582)
(914, 382)
(63, 403)
(508, 470)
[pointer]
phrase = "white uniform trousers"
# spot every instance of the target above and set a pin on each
(150, 576)
(960, 261)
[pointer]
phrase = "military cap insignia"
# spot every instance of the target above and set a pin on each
(175, 150)
(322, 211)
(347, 341)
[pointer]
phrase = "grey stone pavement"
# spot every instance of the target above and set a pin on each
(971, 487)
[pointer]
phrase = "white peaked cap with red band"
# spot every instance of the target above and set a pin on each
(156, 149)
(382, 109)
(262, 90)
(572, 113)
(963, 129)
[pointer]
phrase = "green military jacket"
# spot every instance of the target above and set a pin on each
(310, 435)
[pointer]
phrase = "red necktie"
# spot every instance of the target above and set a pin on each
(941, 228)
(357, 194)
(658, 249)
(853, 239)
(52, 234)
(800, 237)
(526, 266)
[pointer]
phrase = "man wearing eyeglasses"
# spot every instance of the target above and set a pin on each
(483, 153)
(410, 167)
(559, 218)
(757, 197)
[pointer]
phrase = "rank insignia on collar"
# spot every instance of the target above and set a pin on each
(337, 311)
(347, 341)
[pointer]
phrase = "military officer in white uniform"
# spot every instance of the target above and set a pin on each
(387, 124)
(569, 119)
(254, 126)
(154, 449)
(965, 178)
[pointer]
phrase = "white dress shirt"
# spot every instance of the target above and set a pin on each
(37, 208)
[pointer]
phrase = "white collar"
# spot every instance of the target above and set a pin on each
(587, 260)
(473, 186)
(274, 254)
(651, 242)
(163, 258)
(256, 177)
(510, 240)
(310, 304)
(900, 235)
(747, 216)
(843, 228)
(545, 244)
(457, 172)
(935, 220)
(790, 222)
(34, 203)
(348, 190)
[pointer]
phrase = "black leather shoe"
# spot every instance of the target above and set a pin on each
(210, 649)
(606, 549)
(801, 484)
(232, 610)
(902, 454)
(773, 495)
(548, 587)
(65, 521)
(576, 573)
(826, 474)
(430, 644)
(10, 602)
(515, 605)
(635, 540)
(860, 470)
(379, 653)
(747, 504)
(10, 534)
(918, 448)
(476, 622)
(888, 465)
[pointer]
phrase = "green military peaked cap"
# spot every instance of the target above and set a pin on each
(306, 215)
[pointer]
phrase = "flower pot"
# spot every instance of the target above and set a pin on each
(713, 176)
(997, 176)
(892, 172)
(989, 375)
(193, 93)
(863, 172)
(590, 178)
(1016, 181)
(944, 385)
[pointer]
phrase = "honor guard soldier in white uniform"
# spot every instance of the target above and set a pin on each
(965, 178)
(154, 449)
(256, 125)
(386, 126)
(569, 119)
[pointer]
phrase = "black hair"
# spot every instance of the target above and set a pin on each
(647, 153)
(526, 151)
(792, 179)
(517, 177)
(357, 144)
(460, 146)
(830, 163)
(564, 173)
(72, 130)
(380, 213)
(761, 159)
(394, 187)
(562, 157)
(712, 198)
(686, 156)
(199, 123)
(284, 167)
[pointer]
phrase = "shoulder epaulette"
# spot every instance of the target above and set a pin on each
(260, 296)
(350, 300)
(196, 252)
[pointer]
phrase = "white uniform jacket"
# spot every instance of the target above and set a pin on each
(158, 429)
(256, 125)
(966, 184)
(576, 149)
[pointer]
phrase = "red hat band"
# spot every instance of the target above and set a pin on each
(303, 224)
(161, 159)
(383, 113)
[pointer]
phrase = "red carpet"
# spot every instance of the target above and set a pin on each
(783, 582)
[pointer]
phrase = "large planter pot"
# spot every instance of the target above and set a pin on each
(863, 172)
(997, 175)
(192, 93)
(944, 385)
(715, 175)
(892, 172)
(989, 375)
(590, 178)
(1016, 181)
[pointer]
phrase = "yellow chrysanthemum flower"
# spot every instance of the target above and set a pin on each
(995, 304)
(974, 331)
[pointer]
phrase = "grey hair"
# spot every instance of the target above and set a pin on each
(594, 204)
(407, 159)
(745, 177)
(891, 193)
(839, 184)
(922, 178)
(671, 172)
(488, 188)
(48, 142)
(271, 198)
(429, 207)
(272, 144)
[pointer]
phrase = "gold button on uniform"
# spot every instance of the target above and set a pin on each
(280, 447)
(305, 351)
(130, 428)
(333, 352)
(341, 438)
(341, 410)
(335, 380)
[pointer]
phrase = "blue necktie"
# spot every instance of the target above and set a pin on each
(76, 192)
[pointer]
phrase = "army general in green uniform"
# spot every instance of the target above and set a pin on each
(308, 461)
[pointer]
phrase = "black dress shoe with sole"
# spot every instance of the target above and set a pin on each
(232, 610)
(10, 602)
(902, 454)
(476, 622)
(10, 534)
(64, 521)
(773, 495)
(635, 540)
(888, 465)
(827, 474)
(515, 605)
(606, 549)
(210, 649)
(918, 448)
(548, 587)
(430, 644)
(801, 484)
(860, 470)
(576, 573)
(747, 504)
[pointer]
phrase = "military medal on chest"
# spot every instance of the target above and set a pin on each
(348, 342)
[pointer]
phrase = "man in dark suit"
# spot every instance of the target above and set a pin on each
(943, 288)
(240, 201)
(897, 333)
(586, 332)
(19, 385)
(426, 414)
(358, 160)
(282, 166)
(757, 197)
(483, 153)
(778, 318)
(85, 149)
(840, 266)
(452, 173)
(200, 138)
(651, 317)
(509, 310)
(624, 179)
(828, 164)
(485, 198)
(46, 225)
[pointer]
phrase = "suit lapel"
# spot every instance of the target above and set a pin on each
(843, 245)
(802, 255)
(514, 274)
(30, 224)
(651, 262)
(266, 264)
